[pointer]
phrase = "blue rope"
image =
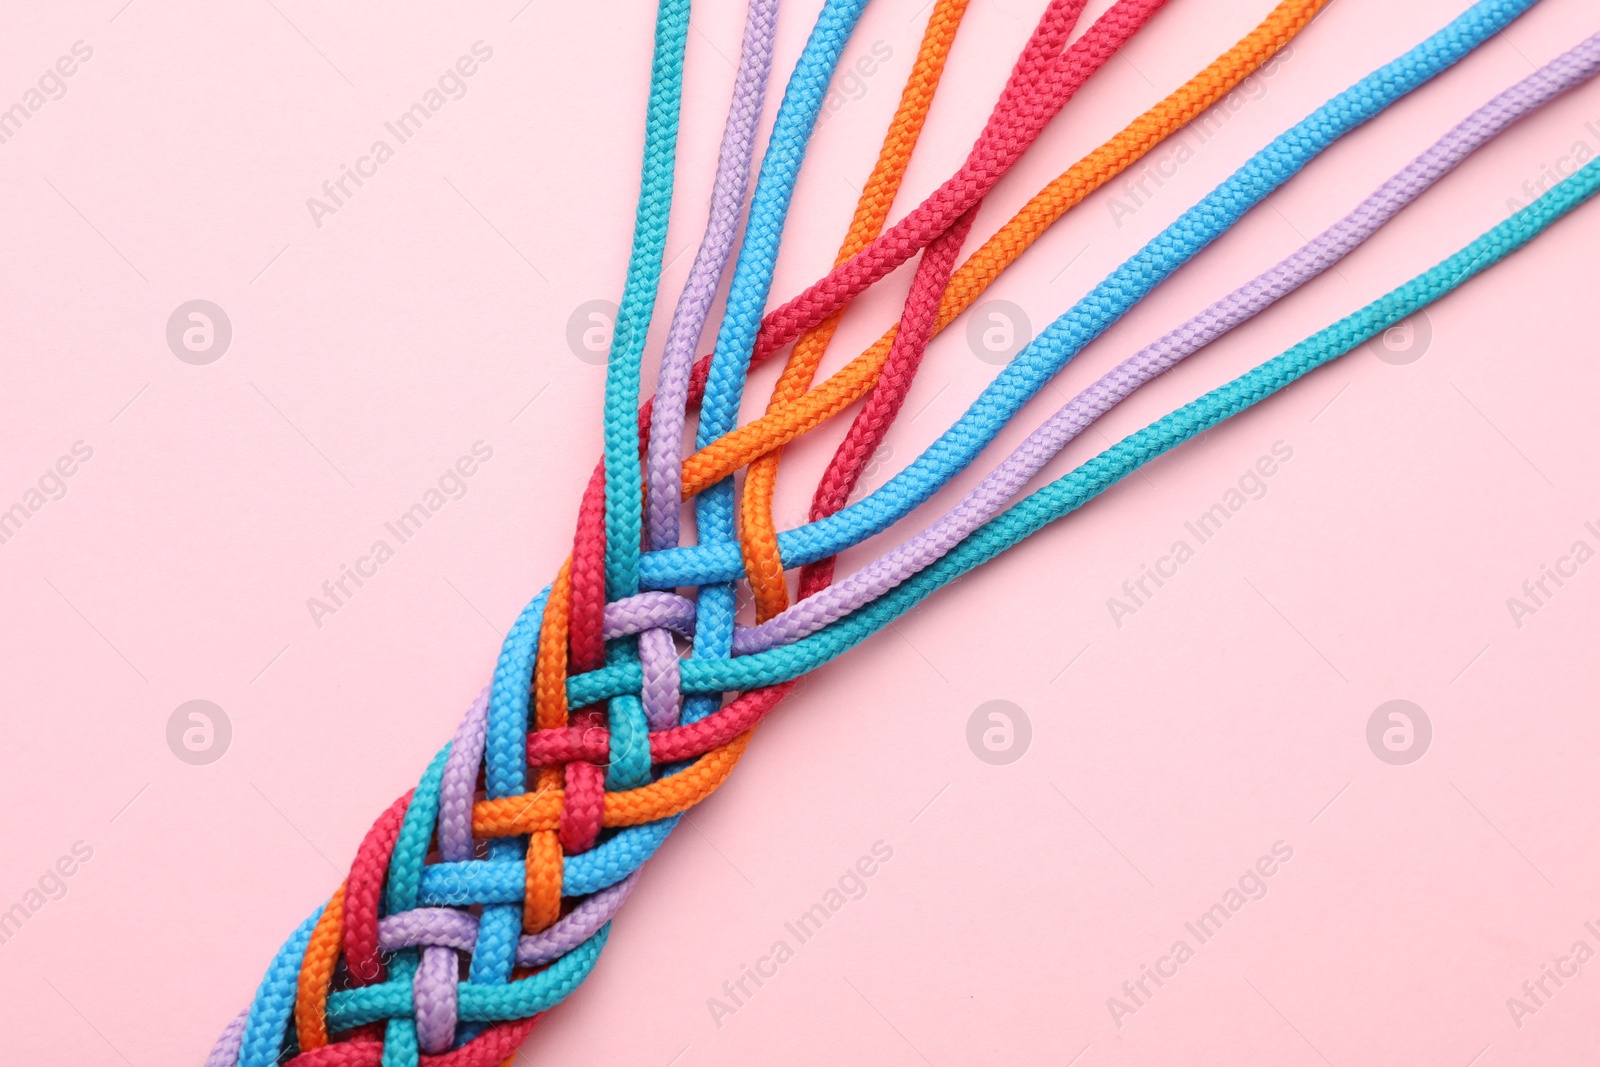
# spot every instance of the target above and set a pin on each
(1036, 364)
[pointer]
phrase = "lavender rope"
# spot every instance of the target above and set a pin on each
(225, 1053)
(1005, 481)
(458, 785)
(651, 615)
(664, 460)
(447, 928)
(435, 996)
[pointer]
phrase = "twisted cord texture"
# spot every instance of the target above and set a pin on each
(627, 691)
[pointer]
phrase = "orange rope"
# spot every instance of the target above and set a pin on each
(316, 975)
(850, 383)
(794, 410)
(539, 813)
(533, 813)
(872, 210)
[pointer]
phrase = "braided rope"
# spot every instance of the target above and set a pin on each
(688, 321)
(791, 413)
(377, 967)
(1107, 302)
(762, 567)
(1317, 256)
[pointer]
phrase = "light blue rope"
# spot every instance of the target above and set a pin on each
(1073, 490)
(747, 299)
(957, 447)
(639, 290)
(719, 560)
(500, 881)
(274, 1000)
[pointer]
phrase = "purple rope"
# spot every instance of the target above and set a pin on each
(458, 786)
(651, 615)
(422, 927)
(575, 927)
(434, 993)
(225, 1053)
(1006, 480)
(661, 694)
(449, 930)
(664, 461)
(648, 611)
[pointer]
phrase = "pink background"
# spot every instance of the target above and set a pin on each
(1168, 753)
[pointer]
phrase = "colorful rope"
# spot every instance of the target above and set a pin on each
(792, 413)
(1275, 164)
(711, 259)
(625, 735)
(986, 499)
(765, 571)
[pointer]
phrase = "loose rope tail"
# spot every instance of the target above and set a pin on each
(1027, 112)
(665, 452)
(1041, 83)
(740, 342)
(1075, 489)
(1194, 230)
(731, 452)
(871, 423)
(1131, 144)
(928, 285)
(767, 584)
(1317, 256)
(1102, 306)
(379, 963)
(763, 565)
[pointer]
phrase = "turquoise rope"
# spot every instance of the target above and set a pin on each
(1020, 380)
(747, 297)
(1073, 490)
(639, 291)
(501, 879)
(500, 926)
(479, 1003)
(1068, 493)
(719, 560)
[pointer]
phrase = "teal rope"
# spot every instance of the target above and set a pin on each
(639, 290)
(1071, 491)
(505, 771)
(747, 297)
(1103, 306)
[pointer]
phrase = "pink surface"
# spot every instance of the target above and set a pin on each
(1171, 748)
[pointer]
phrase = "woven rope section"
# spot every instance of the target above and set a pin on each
(628, 690)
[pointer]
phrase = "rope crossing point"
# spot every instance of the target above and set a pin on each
(528, 830)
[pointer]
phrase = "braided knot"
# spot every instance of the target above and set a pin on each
(484, 896)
